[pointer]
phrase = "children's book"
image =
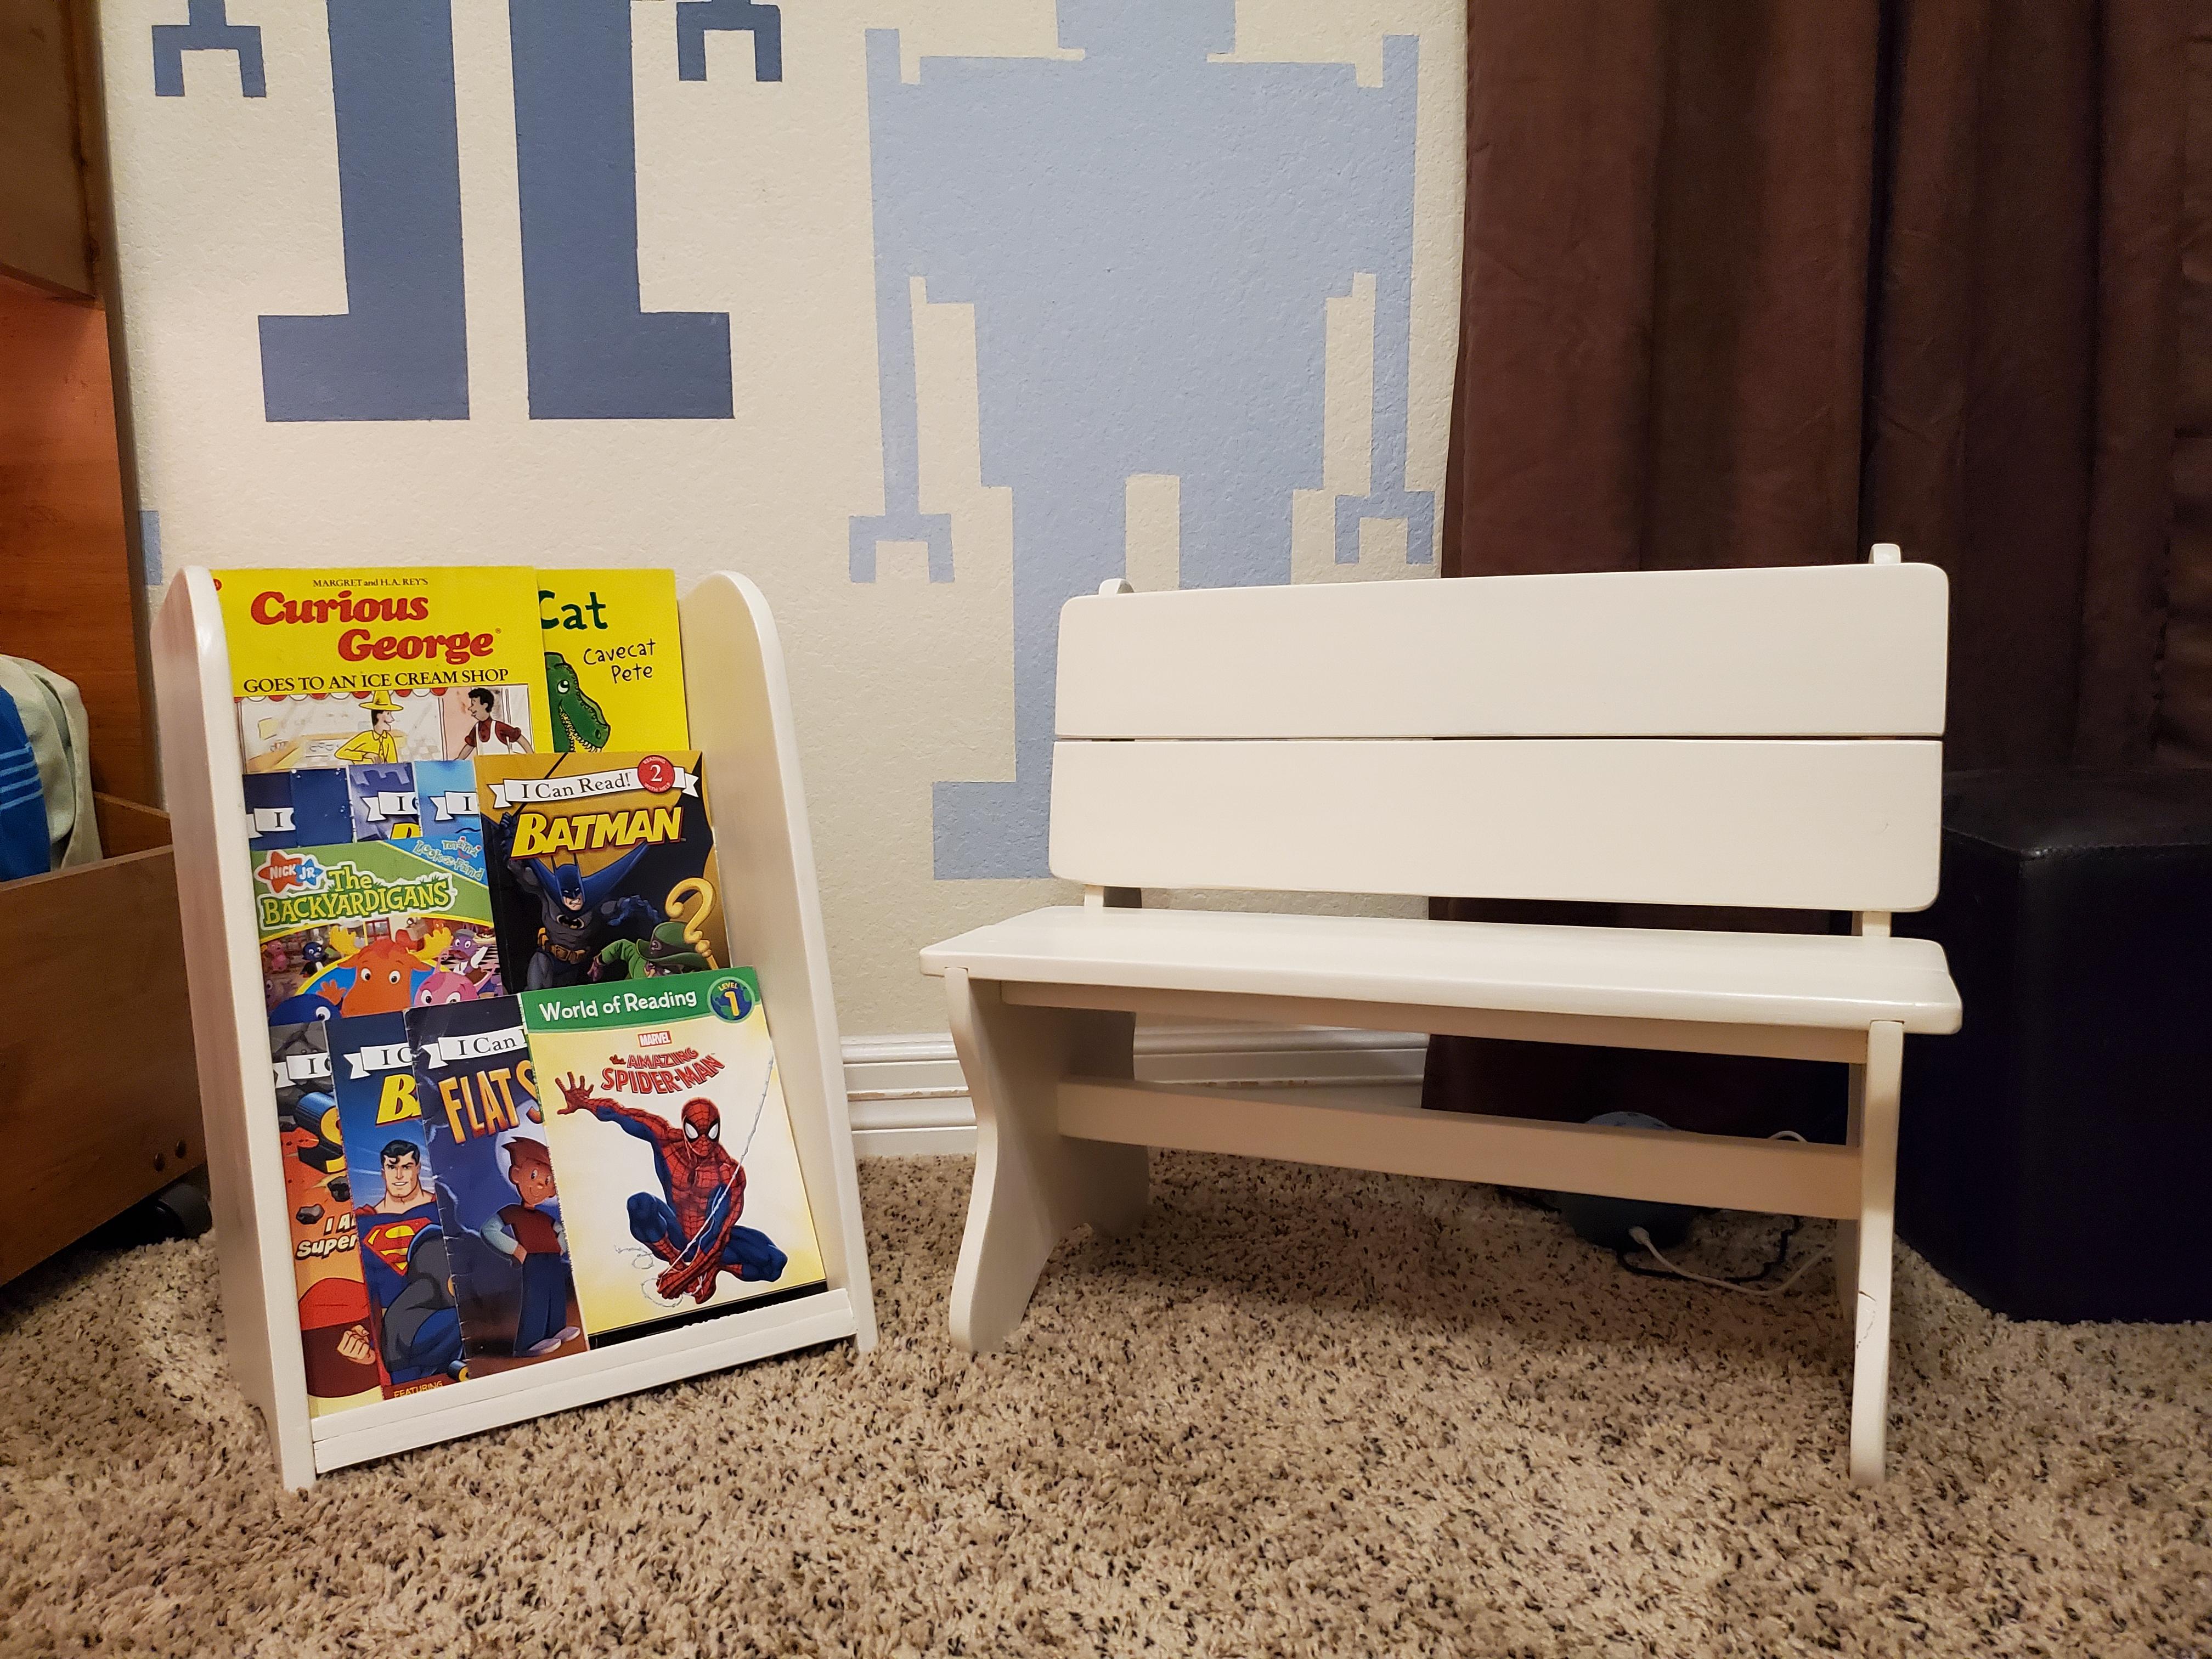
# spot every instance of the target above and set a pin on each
(614, 660)
(335, 1327)
(429, 804)
(679, 1179)
(332, 667)
(403, 1248)
(601, 866)
(373, 926)
(497, 1200)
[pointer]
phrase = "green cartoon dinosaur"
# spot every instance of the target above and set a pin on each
(577, 722)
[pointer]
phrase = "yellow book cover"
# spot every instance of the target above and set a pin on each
(614, 661)
(338, 667)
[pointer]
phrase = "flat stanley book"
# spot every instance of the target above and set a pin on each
(497, 1199)
(614, 660)
(679, 1178)
(601, 866)
(332, 667)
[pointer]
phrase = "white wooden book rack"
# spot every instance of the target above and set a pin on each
(1748, 737)
(740, 706)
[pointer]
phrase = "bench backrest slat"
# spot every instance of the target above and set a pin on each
(1759, 738)
(1841, 651)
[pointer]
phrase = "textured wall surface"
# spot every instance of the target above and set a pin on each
(925, 316)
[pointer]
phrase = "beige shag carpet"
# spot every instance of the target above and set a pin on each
(1300, 1412)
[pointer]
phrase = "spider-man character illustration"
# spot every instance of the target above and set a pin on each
(693, 1224)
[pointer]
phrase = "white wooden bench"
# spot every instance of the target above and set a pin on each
(1747, 737)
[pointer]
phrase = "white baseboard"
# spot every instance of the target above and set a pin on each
(908, 1097)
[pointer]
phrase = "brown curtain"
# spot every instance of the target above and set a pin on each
(1763, 283)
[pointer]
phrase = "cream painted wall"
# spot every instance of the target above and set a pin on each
(754, 199)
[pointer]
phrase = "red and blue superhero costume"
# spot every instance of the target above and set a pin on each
(693, 1225)
(403, 1261)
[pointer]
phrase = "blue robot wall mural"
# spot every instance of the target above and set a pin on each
(1149, 240)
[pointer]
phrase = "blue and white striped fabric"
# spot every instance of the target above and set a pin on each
(24, 849)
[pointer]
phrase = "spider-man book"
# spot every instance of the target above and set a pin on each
(602, 867)
(680, 1182)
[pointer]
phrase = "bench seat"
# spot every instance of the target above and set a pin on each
(1803, 981)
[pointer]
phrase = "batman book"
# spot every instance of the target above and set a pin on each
(497, 1200)
(680, 1181)
(334, 1326)
(373, 926)
(614, 660)
(405, 1260)
(602, 866)
(332, 667)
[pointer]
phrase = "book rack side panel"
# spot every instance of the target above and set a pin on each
(238, 1103)
(741, 722)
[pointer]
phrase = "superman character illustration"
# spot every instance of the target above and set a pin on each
(403, 1248)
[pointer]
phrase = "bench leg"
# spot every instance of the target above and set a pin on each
(1846, 1251)
(1034, 1186)
(1874, 1132)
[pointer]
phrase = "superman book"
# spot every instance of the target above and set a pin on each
(330, 667)
(680, 1181)
(497, 1200)
(614, 660)
(373, 926)
(602, 866)
(403, 1249)
(335, 1327)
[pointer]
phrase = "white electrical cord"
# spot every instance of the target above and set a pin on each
(1811, 1261)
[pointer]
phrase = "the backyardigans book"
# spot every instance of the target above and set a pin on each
(366, 927)
(332, 667)
(336, 1338)
(395, 1208)
(590, 857)
(497, 1199)
(679, 1179)
(614, 660)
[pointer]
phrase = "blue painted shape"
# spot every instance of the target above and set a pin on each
(399, 351)
(207, 28)
(594, 353)
(1149, 240)
(695, 18)
(149, 548)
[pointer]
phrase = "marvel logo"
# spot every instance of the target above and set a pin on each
(653, 1039)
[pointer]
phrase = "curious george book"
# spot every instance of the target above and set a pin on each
(680, 1182)
(601, 866)
(332, 667)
